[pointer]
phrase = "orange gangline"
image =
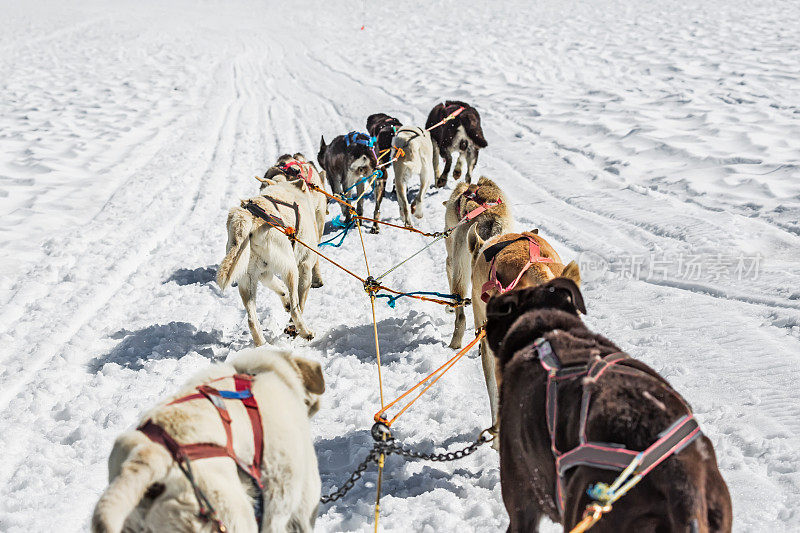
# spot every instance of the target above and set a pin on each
(444, 368)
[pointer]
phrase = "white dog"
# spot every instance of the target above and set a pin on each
(293, 167)
(259, 251)
(148, 491)
(416, 158)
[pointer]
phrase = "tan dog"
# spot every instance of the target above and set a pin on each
(481, 209)
(506, 262)
(148, 492)
(258, 251)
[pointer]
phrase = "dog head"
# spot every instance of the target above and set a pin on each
(559, 294)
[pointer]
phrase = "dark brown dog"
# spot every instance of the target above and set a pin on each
(462, 134)
(630, 406)
(383, 128)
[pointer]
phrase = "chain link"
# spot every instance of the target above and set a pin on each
(390, 447)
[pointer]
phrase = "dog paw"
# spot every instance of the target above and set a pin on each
(375, 230)
(316, 284)
(441, 182)
(308, 335)
(455, 344)
(456, 174)
(417, 213)
(291, 330)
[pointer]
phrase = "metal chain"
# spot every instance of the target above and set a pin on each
(391, 446)
(355, 476)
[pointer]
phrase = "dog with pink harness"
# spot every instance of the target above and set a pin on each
(504, 263)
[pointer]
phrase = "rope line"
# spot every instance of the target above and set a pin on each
(441, 371)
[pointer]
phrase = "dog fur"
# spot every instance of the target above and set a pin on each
(462, 134)
(148, 492)
(509, 262)
(382, 127)
(686, 493)
(258, 252)
(418, 148)
(319, 201)
(346, 165)
(494, 221)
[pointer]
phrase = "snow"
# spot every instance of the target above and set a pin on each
(629, 132)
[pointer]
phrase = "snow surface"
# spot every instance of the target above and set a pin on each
(621, 129)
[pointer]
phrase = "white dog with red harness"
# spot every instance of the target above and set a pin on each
(231, 452)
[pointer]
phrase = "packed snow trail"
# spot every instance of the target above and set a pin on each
(619, 129)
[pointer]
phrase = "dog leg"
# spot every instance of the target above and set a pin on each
(296, 313)
(460, 164)
(489, 367)
(458, 286)
(360, 205)
(436, 162)
(316, 275)
(441, 181)
(278, 287)
(400, 176)
(380, 189)
(247, 290)
(424, 182)
(472, 159)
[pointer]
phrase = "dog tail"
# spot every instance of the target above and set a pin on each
(147, 463)
(234, 265)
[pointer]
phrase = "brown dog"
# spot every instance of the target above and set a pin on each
(544, 347)
(502, 263)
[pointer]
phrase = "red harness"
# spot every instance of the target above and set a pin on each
(185, 453)
(493, 282)
(598, 454)
(297, 169)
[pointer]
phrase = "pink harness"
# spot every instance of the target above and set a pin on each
(482, 206)
(608, 456)
(494, 283)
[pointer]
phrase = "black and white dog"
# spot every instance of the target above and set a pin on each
(383, 128)
(347, 161)
(463, 134)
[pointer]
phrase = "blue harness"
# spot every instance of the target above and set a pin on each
(356, 137)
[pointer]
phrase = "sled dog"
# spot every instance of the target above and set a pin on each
(382, 128)
(147, 490)
(502, 263)
(576, 411)
(416, 158)
(462, 134)
(259, 250)
(347, 161)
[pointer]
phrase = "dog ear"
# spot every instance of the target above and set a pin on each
(571, 290)
(535, 231)
(311, 374)
(572, 271)
(300, 157)
(322, 148)
(474, 241)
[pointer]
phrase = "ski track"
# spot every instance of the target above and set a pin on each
(123, 150)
